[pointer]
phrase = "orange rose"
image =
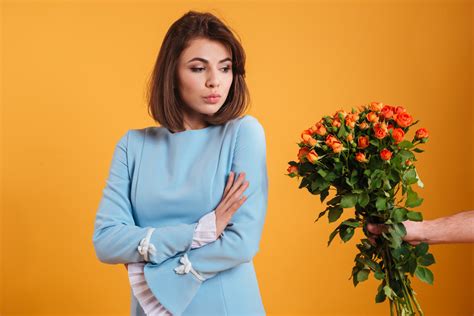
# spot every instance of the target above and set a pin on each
(387, 112)
(360, 157)
(292, 170)
(337, 147)
(336, 123)
(312, 156)
(351, 119)
(408, 162)
(350, 137)
(403, 119)
(363, 125)
(385, 154)
(320, 129)
(302, 153)
(399, 109)
(380, 130)
(376, 106)
(330, 139)
(308, 138)
(372, 117)
(363, 142)
(398, 135)
(390, 126)
(336, 115)
(421, 133)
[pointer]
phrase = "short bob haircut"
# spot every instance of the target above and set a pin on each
(164, 102)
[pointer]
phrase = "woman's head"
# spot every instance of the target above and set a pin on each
(199, 56)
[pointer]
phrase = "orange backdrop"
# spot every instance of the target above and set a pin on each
(73, 81)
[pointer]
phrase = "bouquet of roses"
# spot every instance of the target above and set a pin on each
(365, 157)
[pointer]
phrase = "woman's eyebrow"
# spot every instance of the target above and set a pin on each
(206, 61)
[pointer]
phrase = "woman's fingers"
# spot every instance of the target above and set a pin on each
(237, 184)
(230, 180)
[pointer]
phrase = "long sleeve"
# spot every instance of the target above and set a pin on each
(116, 238)
(237, 244)
(204, 233)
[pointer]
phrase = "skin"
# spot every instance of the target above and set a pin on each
(457, 228)
(199, 78)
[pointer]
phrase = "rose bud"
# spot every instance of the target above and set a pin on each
(292, 170)
(404, 119)
(363, 142)
(380, 130)
(336, 123)
(387, 112)
(320, 129)
(376, 106)
(398, 135)
(421, 133)
(312, 156)
(308, 139)
(372, 117)
(363, 125)
(350, 137)
(337, 147)
(302, 153)
(408, 162)
(330, 139)
(386, 154)
(360, 157)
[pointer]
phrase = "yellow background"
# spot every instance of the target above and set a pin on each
(73, 81)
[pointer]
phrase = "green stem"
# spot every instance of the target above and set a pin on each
(418, 307)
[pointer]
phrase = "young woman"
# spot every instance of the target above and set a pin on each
(173, 209)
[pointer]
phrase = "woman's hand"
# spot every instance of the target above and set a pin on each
(231, 201)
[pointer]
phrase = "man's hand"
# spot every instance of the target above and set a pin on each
(414, 231)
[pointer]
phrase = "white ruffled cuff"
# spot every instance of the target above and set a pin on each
(205, 231)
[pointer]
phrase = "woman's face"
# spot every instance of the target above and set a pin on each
(204, 68)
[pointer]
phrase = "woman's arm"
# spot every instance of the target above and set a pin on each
(116, 237)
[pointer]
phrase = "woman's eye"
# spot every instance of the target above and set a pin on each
(195, 69)
(226, 69)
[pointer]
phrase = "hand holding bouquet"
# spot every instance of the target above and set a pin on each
(366, 158)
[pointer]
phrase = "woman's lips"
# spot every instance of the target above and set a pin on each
(212, 100)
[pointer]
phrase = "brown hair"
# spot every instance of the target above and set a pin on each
(164, 102)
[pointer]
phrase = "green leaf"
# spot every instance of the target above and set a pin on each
(406, 144)
(363, 275)
(321, 215)
(349, 200)
(346, 233)
(363, 199)
(409, 177)
(412, 199)
(351, 222)
(324, 195)
(380, 297)
(333, 234)
(399, 215)
(334, 213)
(424, 274)
(389, 292)
(381, 203)
(322, 172)
(418, 150)
(415, 216)
(421, 249)
(379, 275)
(426, 260)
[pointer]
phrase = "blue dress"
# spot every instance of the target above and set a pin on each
(168, 181)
